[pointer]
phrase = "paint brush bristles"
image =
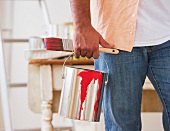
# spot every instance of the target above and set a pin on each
(55, 44)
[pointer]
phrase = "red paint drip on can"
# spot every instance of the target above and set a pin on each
(87, 76)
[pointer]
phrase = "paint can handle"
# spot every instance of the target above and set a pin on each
(62, 72)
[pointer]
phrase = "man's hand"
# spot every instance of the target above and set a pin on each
(86, 39)
(86, 42)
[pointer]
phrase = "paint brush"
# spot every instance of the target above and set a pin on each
(58, 44)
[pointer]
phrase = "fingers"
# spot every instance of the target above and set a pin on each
(83, 52)
(91, 50)
(103, 43)
(96, 54)
(87, 52)
(77, 52)
(87, 44)
(80, 52)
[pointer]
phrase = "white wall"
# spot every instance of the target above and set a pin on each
(5, 24)
(26, 19)
(59, 11)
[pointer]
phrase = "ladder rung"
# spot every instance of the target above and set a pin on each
(18, 85)
(15, 40)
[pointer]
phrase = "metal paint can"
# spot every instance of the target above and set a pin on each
(82, 93)
(36, 43)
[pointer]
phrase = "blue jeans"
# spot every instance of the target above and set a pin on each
(127, 73)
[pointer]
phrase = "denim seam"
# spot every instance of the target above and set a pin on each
(161, 95)
(137, 127)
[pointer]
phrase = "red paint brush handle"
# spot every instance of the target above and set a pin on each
(108, 50)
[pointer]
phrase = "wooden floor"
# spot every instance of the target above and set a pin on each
(150, 122)
(150, 101)
(56, 129)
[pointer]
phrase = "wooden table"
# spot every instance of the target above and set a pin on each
(45, 84)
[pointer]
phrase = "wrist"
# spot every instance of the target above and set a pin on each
(81, 23)
(82, 26)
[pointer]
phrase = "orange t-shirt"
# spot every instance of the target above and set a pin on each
(115, 20)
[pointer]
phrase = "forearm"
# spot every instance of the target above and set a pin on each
(86, 39)
(81, 13)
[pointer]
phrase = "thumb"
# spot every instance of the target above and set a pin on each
(103, 43)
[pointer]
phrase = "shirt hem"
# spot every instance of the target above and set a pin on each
(152, 43)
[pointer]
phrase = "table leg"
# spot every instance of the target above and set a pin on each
(46, 107)
(46, 97)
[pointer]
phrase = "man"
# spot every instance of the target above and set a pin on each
(141, 31)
